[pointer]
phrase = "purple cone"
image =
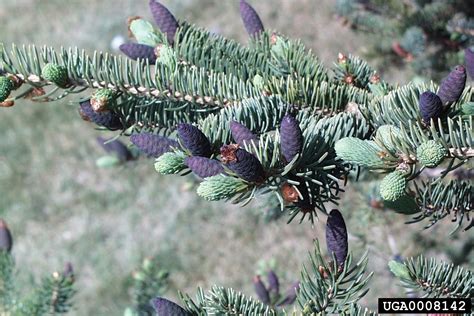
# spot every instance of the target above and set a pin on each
(260, 289)
(107, 119)
(153, 145)
(115, 147)
(291, 137)
(194, 140)
(453, 85)
(135, 51)
(164, 307)
(246, 166)
(469, 60)
(6, 240)
(336, 236)
(290, 297)
(431, 106)
(164, 19)
(204, 167)
(251, 20)
(273, 283)
(242, 134)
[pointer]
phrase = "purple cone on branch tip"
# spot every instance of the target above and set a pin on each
(204, 167)
(291, 294)
(243, 163)
(194, 140)
(251, 20)
(108, 119)
(431, 106)
(260, 289)
(453, 85)
(153, 145)
(469, 60)
(164, 307)
(6, 240)
(273, 282)
(291, 137)
(115, 147)
(336, 236)
(139, 51)
(241, 134)
(164, 19)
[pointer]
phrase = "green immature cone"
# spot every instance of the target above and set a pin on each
(359, 152)
(220, 187)
(56, 74)
(166, 55)
(6, 87)
(431, 153)
(386, 134)
(399, 270)
(170, 163)
(103, 100)
(393, 186)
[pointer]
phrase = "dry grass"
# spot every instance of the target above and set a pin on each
(62, 208)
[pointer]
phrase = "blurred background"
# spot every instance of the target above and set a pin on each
(61, 206)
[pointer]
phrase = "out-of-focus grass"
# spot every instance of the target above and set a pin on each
(60, 207)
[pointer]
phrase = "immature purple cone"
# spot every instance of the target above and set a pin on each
(431, 106)
(336, 236)
(260, 289)
(153, 145)
(194, 140)
(135, 51)
(6, 240)
(164, 19)
(204, 167)
(115, 147)
(107, 119)
(243, 163)
(164, 307)
(453, 85)
(273, 283)
(251, 20)
(469, 60)
(290, 297)
(241, 134)
(291, 137)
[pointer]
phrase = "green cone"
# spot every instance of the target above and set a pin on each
(385, 134)
(399, 270)
(56, 74)
(359, 152)
(6, 86)
(393, 186)
(403, 205)
(166, 55)
(220, 187)
(170, 163)
(430, 153)
(103, 100)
